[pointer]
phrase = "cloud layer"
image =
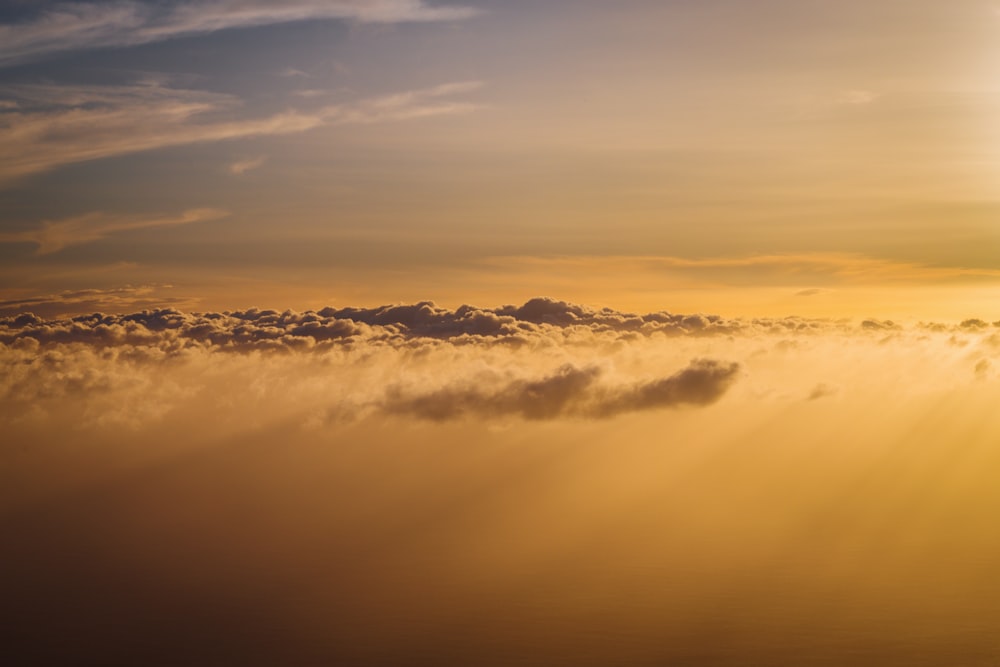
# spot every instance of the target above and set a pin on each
(540, 322)
(543, 360)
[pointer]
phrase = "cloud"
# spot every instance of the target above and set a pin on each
(817, 268)
(243, 166)
(812, 291)
(55, 235)
(570, 391)
(58, 125)
(822, 390)
(87, 25)
(70, 302)
(857, 97)
(542, 360)
(539, 324)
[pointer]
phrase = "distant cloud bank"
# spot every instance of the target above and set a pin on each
(540, 322)
(543, 360)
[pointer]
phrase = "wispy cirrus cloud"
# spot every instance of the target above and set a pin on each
(71, 26)
(829, 268)
(243, 166)
(53, 236)
(117, 299)
(53, 125)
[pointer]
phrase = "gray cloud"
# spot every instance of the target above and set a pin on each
(570, 391)
(542, 360)
(822, 390)
(540, 322)
(545, 359)
(813, 291)
(71, 26)
(535, 322)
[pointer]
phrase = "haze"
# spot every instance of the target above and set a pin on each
(400, 332)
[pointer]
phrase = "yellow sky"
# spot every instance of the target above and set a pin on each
(376, 151)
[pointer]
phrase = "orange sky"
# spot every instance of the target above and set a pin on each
(698, 156)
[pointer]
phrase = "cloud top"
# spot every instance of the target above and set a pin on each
(540, 322)
(545, 359)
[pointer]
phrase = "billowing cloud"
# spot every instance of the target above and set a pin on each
(540, 322)
(542, 360)
(545, 359)
(70, 26)
(54, 235)
(54, 125)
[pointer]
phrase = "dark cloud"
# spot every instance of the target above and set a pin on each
(570, 391)
(545, 359)
(813, 291)
(880, 325)
(974, 324)
(540, 321)
(254, 329)
(822, 390)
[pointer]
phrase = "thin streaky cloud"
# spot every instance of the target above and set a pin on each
(124, 299)
(243, 166)
(857, 97)
(88, 25)
(56, 125)
(53, 236)
(847, 268)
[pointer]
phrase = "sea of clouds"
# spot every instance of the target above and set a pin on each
(543, 360)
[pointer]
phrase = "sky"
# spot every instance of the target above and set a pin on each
(781, 157)
(535, 332)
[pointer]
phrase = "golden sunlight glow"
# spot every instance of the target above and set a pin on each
(480, 333)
